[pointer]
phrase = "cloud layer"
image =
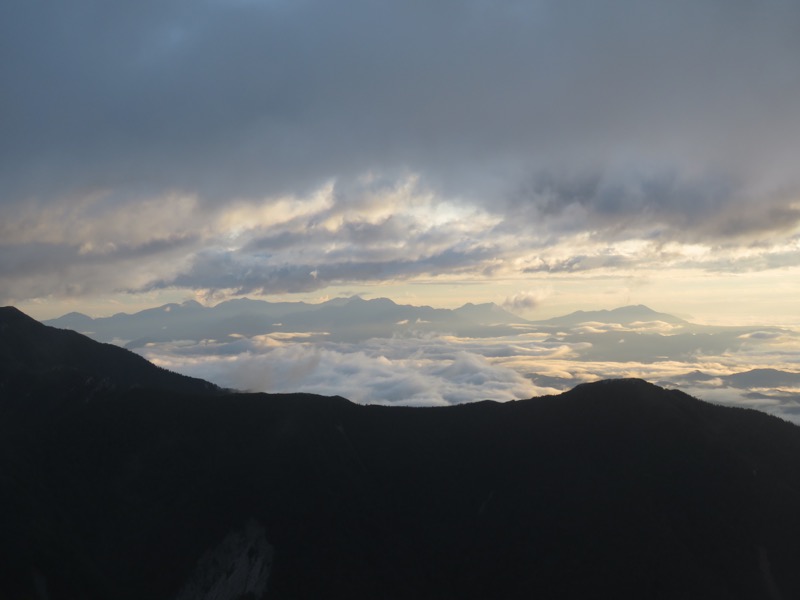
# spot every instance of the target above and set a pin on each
(269, 146)
(435, 369)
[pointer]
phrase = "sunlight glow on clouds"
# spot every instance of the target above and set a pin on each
(432, 370)
(173, 150)
(365, 376)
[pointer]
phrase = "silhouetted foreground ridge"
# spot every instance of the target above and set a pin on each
(30, 348)
(120, 480)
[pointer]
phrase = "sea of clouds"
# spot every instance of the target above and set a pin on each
(432, 369)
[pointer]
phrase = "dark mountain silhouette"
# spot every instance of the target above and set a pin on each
(32, 353)
(616, 489)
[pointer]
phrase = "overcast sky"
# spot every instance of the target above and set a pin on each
(543, 154)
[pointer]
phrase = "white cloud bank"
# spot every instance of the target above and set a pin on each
(433, 370)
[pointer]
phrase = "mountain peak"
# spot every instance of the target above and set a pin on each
(185, 305)
(13, 315)
(634, 308)
(623, 314)
(239, 302)
(620, 384)
(75, 315)
(374, 301)
(487, 312)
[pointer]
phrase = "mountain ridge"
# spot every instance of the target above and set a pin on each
(43, 352)
(350, 319)
(346, 319)
(616, 488)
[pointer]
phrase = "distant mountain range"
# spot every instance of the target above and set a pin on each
(628, 333)
(355, 319)
(625, 334)
(754, 378)
(156, 486)
(344, 319)
(380, 316)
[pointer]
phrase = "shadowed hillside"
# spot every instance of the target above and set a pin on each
(46, 354)
(615, 489)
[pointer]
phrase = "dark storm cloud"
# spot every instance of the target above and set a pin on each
(49, 259)
(388, 230)
(656, 206)
(252, 98)
(246, 274)
(39, 269)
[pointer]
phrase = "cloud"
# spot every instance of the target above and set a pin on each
(363, 376)
(525, 301)
(279, 139)
(40, 269)
(243, 274)
(254, 98)
(433, 369)
(657, 205)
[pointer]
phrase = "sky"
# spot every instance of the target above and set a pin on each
(545, 155)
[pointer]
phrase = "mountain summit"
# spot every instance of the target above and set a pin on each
(624, 315)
